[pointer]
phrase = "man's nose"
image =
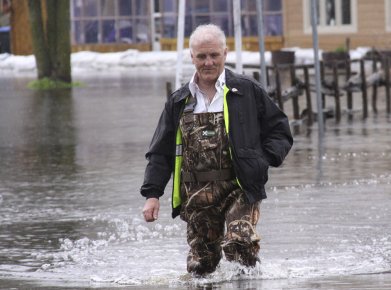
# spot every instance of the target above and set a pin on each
(208, 60)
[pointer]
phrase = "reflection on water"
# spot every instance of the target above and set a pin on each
(73, 160)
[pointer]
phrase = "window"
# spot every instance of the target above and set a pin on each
(108, 31)
(125, 7)
(205, 11)
(169, 18)
(220, 5)
(269, 5)
(272, 11)
(334, 16)
(220, 12)
(169, 5)
(201, 6)
(110, 21)
(90, 8)
(108, 8)
(272, 17)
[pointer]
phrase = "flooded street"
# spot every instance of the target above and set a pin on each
(72, 163)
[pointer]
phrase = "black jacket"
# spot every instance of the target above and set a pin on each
(259, 136)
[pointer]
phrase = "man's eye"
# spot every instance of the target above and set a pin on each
(201, 56)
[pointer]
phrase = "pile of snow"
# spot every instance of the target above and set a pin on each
(16, 63)
(134, 59)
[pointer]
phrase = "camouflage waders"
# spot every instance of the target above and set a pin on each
(212, 198)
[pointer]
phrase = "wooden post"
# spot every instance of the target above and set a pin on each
(364, 89)
(322, 79)
(310, 119)
(267, 76)
(256, 77)
(387, 77)
(349, 93)
(336, 93)
(168, 89)
(278, 88)
(295, 99)
(374, 88)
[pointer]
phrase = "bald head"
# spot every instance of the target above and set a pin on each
(206, 33)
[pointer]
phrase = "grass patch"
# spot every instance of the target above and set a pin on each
(49, 84)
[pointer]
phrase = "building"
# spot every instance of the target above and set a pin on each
(153, 24)
(361, 22)
(115, 25)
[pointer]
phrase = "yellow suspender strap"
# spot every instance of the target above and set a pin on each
(226, 121)
(176, 188)
(176, 196)
(226, 116)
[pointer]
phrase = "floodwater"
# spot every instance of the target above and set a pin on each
(72, 163)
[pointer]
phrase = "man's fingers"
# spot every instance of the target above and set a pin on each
(151, 209)
(148, 215)
(155, 213)
(151, 215)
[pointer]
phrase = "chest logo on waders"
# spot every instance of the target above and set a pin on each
(207, 133)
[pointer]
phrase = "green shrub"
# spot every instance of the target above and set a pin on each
(340, 49)
(49, 84)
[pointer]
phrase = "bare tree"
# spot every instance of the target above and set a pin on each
(50, 31)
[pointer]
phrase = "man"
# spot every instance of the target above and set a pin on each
(218, 134)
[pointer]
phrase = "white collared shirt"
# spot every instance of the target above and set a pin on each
(203, 105)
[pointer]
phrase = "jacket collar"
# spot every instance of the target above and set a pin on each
(182, 93)
(233, 82)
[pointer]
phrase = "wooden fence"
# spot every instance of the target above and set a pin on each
(337, 80)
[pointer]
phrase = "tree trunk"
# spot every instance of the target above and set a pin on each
(64, 40)
(58, 37)
(51, 38)
(38, 39)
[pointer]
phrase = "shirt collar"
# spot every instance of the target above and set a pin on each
(193, 86)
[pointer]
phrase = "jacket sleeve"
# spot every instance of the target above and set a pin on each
(160, 156)
(276, 135)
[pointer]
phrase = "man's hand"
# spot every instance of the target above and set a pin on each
(151, 209)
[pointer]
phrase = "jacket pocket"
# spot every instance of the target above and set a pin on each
(253, 165)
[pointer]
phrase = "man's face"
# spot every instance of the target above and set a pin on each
(209, 58)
